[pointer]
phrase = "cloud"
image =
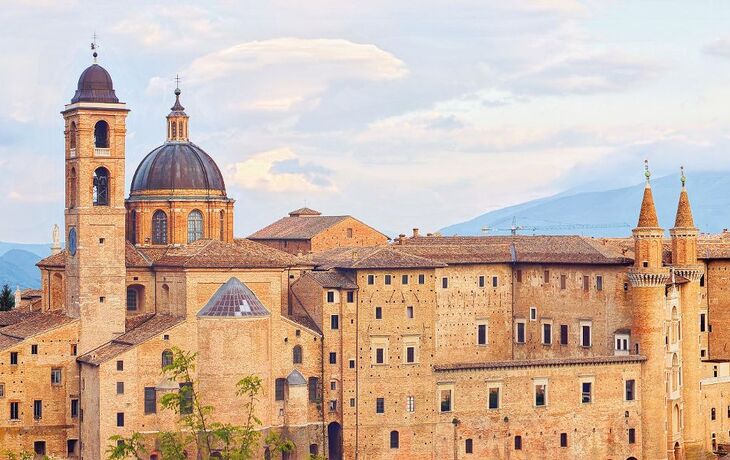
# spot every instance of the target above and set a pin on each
(279, 170)
(718, 48)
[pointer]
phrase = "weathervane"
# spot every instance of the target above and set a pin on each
(646, 170)
(683, 177)
(94, 47)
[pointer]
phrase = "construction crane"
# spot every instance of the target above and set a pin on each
(516, 229)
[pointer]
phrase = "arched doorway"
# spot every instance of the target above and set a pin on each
(677, 451)
(334, 441)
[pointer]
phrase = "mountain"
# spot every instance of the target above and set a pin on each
(41, 250)
(709, 194)
(17, 268)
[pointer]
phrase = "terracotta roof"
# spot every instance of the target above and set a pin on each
(305, 212)
(305, 321)
(8, 318)
(552, 362)
(234, 299)
(647, 216)
(132, 256)
(297, 228)
(241, 253)
(31, 325)
(374, 257)
(332, 279)
(30, 293)
(142, 332)
(514, 249)
(684, 212)
(54, 260)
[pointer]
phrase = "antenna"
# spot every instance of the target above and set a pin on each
(94, 47)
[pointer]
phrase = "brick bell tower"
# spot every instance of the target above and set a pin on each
(648, 278)
(684, 263)
(95, 214)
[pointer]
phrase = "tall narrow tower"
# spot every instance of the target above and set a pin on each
(684, 262)
(95, 215)
(648, 278)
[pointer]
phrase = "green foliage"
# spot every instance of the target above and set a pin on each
(24, 455)
(7, 299)
(197, 427)
(123, 448)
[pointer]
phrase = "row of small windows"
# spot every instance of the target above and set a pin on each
(586, 280)
(405, 279)
(314, 389)
(195, 226)
(483, 280)
(14, 409)
(585, 332)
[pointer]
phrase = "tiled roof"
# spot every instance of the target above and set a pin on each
(54, 260)
(241, 253)
(33, 324)
(143, 331)
(684, 212)
(30, 293)
(305, 211)
(375, 257)
(332, 279)
(297, 228)
(518, 249)
(234, 299)
(305, 321)
(552, 362)
(132, 256)
(11, 317)
(647, 216)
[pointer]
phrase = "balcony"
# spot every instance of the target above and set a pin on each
(100, 152)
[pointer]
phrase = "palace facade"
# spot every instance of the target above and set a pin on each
(426, 347)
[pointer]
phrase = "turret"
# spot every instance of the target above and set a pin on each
(684, 234)
(648, 235)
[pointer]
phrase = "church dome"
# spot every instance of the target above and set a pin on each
(178, 166)
(95, 85)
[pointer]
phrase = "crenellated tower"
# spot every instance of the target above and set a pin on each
(95, 215)
(684, 264)
(648, 278)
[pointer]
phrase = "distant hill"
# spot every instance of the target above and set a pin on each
(709, 194)
(17, 268)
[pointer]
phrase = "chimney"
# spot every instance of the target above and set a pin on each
(401, 238)
(415, 233)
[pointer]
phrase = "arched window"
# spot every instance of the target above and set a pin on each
(132, 237)
(267, 453)
(132, 299)
(174, 130)
(72, 188)
(314, 449)
(159, 227)
(101, 135)
(222, 225)
(313, 386)
(297, 355)
(180, 128)
(72, 135)
(195, 226)
(101, 187)
(167, 357)
(394, 440)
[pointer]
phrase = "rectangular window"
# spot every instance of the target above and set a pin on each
(622, 343)
(481, 281)
(333, 405)
(421, 279)
(518, 275)
(469, 446)
(120, 365)
(520, 332)
(333, 385)
(495, 281)
(630, 390)
(56, 376)
(518, 442)
(330, 296)
(313, 388)
(410, 355)
(13, 358)
(352, 364)
(533, 313)
(14, 410)
(563, 334)
(380, 406)
(378, 312)
(404, 279)
(39, 447)
(546, 277)
(74, 408)
(444, 282)
(37, 409)
(186, 402)
(445, 400)
(540, 393)
(586, 283)
(74, 349)
(599, 283)
(547, 334)
(333, 357)
(120, 418)
(371, 279)
(563, 281)
(703, 322)
(388, 279)
(350, 296)
(150, 400)
(34, 349)
(379, 356)
(349, 233)
(494, 397)
(120, 388)
(334, 322)
(352, 402)
(2, 390)
(410, 404)
(409, 312)
(482, 334)
(585, 335)
(586, 389)
(632, 436)
(563, 439)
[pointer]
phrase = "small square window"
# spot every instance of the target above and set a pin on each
(378, 312)
(409, 312)
(421, 279)
(350, 296)
(34, 349)
(481, 281)
(380, 406)
(404, 279)
(388, 279)
(333, 385)
(352, 364)
(334, 322)
(563, 439)
(352, 402)
(120, 388)
(533, 313)
(444, 283)
(371, 279)
(56, 376)
(333, 405)
(102, 299)
(333, 357)
(13, 358)
(330, 296)
(120, 365)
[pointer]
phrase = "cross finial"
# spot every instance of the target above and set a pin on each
(647, 173)
(177, 81)
(683, 178)
(94, 47)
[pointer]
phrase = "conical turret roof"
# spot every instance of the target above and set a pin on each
(648, 217)
(684, 211)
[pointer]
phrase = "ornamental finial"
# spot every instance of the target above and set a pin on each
(647, 173)
(94, 47)
(683, 178)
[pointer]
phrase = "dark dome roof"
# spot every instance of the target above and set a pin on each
(95, 85)
(175, 166)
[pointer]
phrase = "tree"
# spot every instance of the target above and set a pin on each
(197, 426)
(7, 299)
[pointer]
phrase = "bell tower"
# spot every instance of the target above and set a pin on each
(95, 214)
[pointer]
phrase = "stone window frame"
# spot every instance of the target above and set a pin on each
(479, 323)
(533, 314)
(545, 339)
(634, 390)
(522, 322)
(582, 324)
(410, 403)
(537, 382)
(411, 341)
(379, 343)
(56, 371)
(410, 312)
(592, 394)
(482, 281)
(446, 387)
(618, 339)
(331, 296)
(499, 386)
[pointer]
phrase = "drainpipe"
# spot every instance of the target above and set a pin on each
(456, 422)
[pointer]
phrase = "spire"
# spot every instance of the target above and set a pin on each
(648, 217)
(177, 107)
(177, 119)
(684, 210)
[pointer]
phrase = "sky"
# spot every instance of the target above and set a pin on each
(404, 114)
